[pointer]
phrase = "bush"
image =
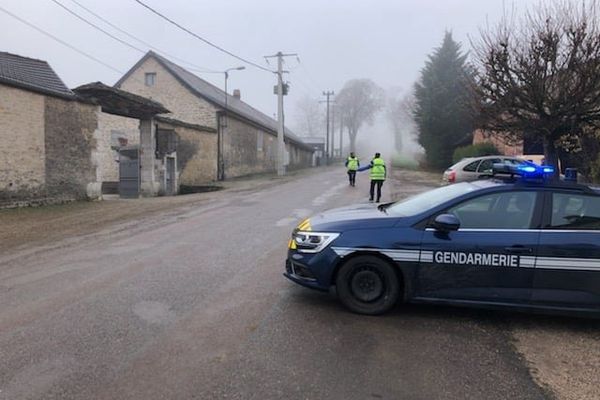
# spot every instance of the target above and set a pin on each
(404, 162)
(475, 150)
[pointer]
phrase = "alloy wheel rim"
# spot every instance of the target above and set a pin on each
(367, 284)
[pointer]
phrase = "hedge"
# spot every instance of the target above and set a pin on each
(475, 150)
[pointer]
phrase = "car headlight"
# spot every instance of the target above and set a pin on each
(311, 242)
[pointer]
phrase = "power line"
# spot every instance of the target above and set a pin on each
(201, 38)
(96, 26)
(61, 41)
(307, 84)
(198, 68)
(308, 75)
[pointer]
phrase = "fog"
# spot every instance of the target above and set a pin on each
(386, 41)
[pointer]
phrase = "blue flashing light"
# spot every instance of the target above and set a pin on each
(527, 168)
(526, 171)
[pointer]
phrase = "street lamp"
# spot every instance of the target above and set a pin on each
(226, 72)
(220, 145)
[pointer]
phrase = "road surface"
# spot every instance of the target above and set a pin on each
(192, 304)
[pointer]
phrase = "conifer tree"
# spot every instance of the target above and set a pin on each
(442, 110)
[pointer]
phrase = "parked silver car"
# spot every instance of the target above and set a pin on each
(470, 169)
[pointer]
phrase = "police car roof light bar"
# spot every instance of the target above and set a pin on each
(529, 171)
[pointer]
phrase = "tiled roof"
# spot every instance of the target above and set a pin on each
(31, 74)
(119, 102)
(209, 92)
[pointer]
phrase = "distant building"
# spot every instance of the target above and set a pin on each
(318, 145)
(524, 147)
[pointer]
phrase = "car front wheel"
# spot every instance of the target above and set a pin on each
(368, 285)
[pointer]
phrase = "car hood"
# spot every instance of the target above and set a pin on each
(362, 216)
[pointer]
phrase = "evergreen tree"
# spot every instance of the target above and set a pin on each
(441, 103)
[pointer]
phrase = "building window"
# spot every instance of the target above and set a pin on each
(150, 78)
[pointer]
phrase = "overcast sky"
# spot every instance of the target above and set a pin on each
(337, 40)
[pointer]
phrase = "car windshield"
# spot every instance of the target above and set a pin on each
(424, 201)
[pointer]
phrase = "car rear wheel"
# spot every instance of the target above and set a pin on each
(368, 285)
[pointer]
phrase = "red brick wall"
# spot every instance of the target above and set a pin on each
(507, 149)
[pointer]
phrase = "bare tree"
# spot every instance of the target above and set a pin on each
(358, 101)
(309, 117)
(400, 114)
(539, 76)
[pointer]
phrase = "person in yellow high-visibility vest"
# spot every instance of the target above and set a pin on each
(377, 174)
(352, 164)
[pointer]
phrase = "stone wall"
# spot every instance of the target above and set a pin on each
(46, 146)
(69, 142)
(247, 149)
(250, 150)
(196, 154)
(110, 128)
(167, 90)
(22, 153)
(299, 157)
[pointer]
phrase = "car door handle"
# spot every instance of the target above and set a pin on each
(519, 249)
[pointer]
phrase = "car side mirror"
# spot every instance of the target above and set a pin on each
(446, 223)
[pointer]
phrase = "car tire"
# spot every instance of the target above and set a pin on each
(368, 285)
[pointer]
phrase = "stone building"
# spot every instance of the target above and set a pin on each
(46, 135)
(246, 138)
(181, 153)
(59, 145)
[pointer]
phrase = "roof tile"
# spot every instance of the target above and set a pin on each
(31, 74)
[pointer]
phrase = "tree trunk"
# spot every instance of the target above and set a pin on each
(352, 135)
(551, 155)
(398, 142)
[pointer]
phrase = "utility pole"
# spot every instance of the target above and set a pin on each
(341, 134)
(333, 127)
(328, 94)
(281, 90)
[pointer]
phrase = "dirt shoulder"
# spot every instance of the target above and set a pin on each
(407, 182)
(33, 226)
(562, 354)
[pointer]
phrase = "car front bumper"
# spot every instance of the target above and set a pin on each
(315, 271)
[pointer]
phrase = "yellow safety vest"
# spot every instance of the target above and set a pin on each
(378, 170)
(352, 163)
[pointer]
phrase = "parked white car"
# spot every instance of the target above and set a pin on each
(473, 168)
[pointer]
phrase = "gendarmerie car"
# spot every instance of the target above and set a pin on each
(521, 241)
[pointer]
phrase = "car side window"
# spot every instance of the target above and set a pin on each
(471, 167)
(486, 165)
(512, 161)
(507, 210)
(575, 211)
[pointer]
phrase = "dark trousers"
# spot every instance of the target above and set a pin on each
(379, 184)
(352, 177)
